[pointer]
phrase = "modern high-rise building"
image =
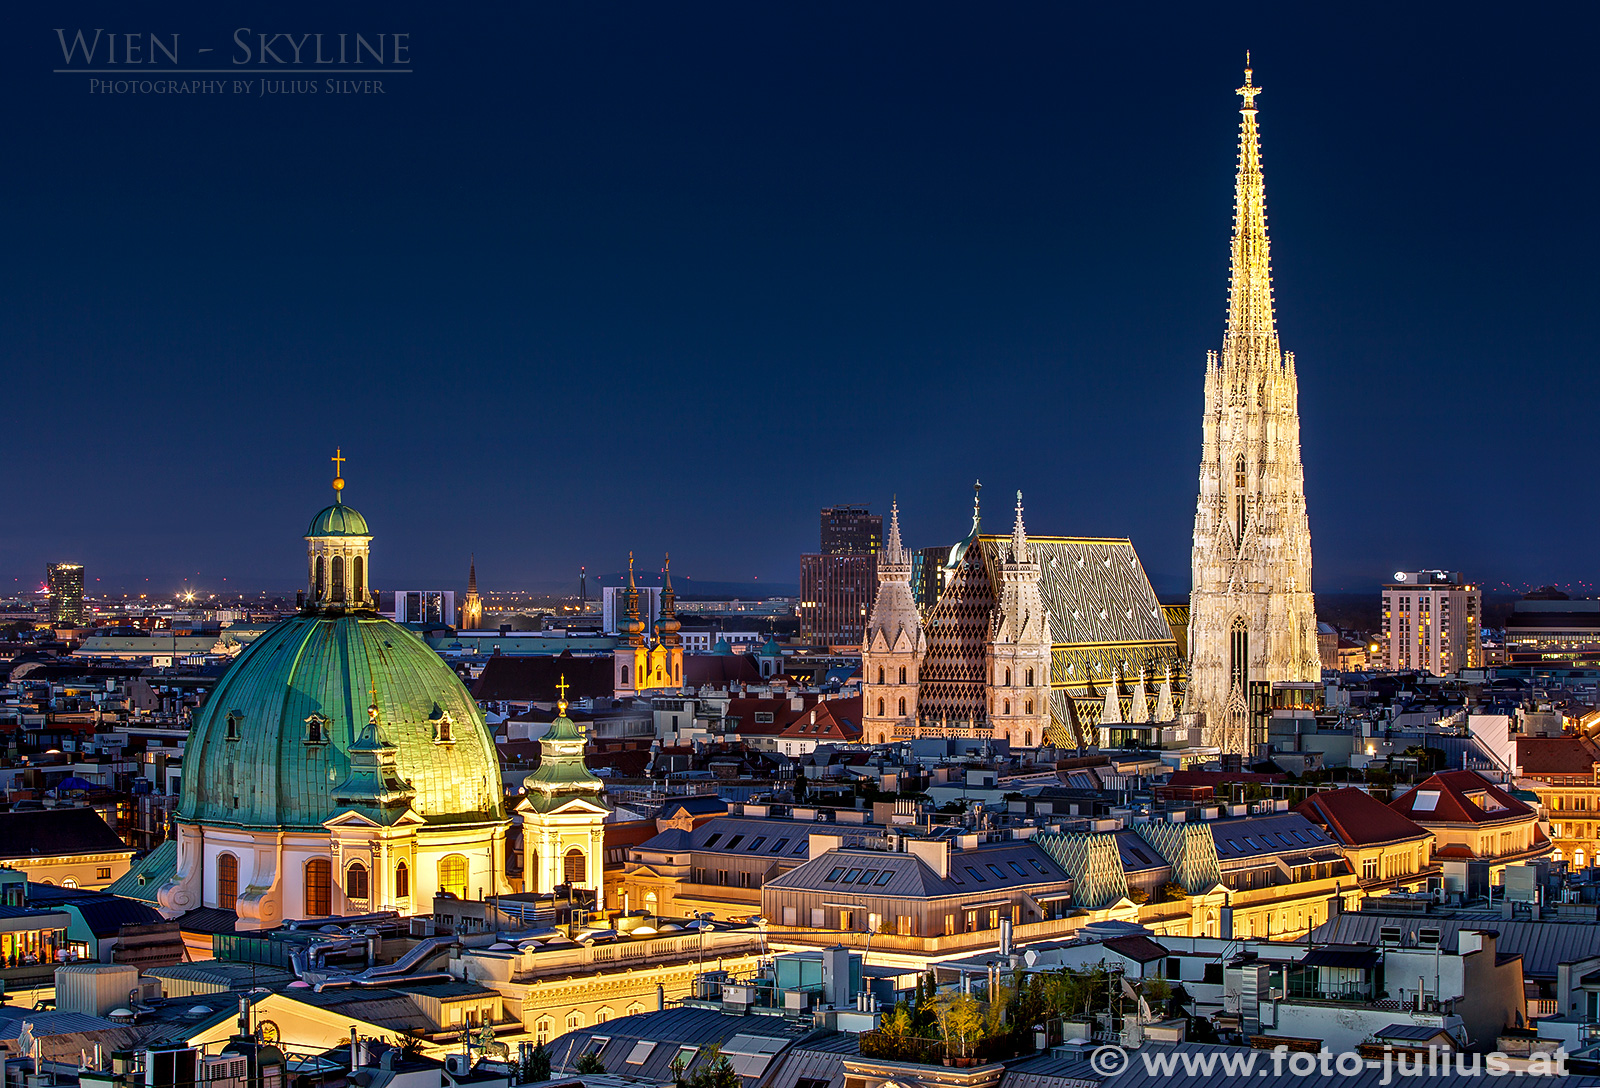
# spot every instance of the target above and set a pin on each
(851, 530)
(1251, 613)
(66, 593)
(1432, 620)
(838, 584)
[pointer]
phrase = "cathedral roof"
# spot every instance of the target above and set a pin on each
(269, 770)
(338, 520)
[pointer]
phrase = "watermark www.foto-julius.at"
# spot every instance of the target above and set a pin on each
(1110, 1061)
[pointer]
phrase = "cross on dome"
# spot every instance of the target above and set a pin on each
(338, 460)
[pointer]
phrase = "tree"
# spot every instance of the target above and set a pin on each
(897, 1025)
(1172, 890)
(535, 1066)
(960, 1020)
(589, 1062)
(716, 1072)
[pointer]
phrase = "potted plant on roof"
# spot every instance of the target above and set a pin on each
(960, 1020)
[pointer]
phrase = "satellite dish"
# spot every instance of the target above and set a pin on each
(1399, 576)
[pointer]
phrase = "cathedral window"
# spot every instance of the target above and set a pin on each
(453, 875)
(1030, 678)
(1239, 653)
(337, 592)
(624, 676)
(1238, 499)
(319, 888)
(358, 579)
(1007, 706)
(1029, 709)
(227, 881)
(902, 704)
(1027, 739)
(880, 708)
(402, 880)
(356, 883)
(880, 674)
(1008, 678)
(902, 674)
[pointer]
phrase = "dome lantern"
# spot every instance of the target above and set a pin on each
(338, 547)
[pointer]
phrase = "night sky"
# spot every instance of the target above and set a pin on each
(600, 276)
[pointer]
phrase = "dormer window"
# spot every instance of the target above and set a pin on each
(443, 730)
(232, 724)
(316, 729)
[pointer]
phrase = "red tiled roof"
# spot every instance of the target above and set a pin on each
(1453, 806)
(720, 670)
(1356, 818)
(1557, 755)
(829, 719)
(533, 679)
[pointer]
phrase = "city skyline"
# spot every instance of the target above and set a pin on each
(927, 242)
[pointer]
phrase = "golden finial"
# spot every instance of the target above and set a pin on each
(338, 460)
(561, 703)
(1249, 90)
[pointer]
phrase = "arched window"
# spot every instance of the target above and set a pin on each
(1029, 675)
(355, 881)
(883, 738)
(453, 875)
(1029, 706)
(320, 580)
(902, 674)
(602, 1014)
(624, 676)
(338, 578)
(319, 888)
(574, 1021)
(358, 576)
(1008, 678)
(1027, 739)
(69, 883)
(1006, 707)
(402, 881)
(1239, 656)
(880, 674)
(902, 704)
(542, 1029)
(880, 708)
(1238, 499)
(227, 881)
(576, 869)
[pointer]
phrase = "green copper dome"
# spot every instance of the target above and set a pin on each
(338, 520)
(253, 758)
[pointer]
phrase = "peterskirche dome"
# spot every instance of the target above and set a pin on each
(336, 734)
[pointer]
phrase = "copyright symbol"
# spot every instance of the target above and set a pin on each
(1108, 1061)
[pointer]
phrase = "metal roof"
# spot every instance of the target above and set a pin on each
(1017, 864)
(1543, 945)
(671, 1030)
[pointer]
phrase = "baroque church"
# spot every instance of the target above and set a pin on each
(1252, 616)
(340, 767)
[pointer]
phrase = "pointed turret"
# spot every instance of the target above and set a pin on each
(472, 576)
(1111, 713)
(894, 645)
(667, 625)
(631, 627)
(1019, 536)
(1252, 335)
(1165, 712)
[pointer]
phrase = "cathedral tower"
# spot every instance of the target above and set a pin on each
(891, 655)
(631, 658)
(1019, 647)
(1251, 611)
(666, 656)
(472, 607)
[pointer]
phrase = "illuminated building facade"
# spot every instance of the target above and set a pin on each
(66, 593)
(891, 654)
(645, 661)
(1432, 620)
(1252, 617)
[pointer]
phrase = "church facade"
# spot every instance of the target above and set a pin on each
(1031, 640)
(1252, 616)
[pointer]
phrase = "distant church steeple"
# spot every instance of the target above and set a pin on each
(1252, 617)
(472, 607)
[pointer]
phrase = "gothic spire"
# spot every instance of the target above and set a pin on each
(669, 599)
(894, 553)
(1019, 536)
(1252, 337)
(472, 576)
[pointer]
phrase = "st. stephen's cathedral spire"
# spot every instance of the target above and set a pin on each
(1252, 617)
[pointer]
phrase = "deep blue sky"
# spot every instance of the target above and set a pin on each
(603, 276)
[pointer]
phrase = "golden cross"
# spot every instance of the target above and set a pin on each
(338, 460)
(1248, 91)
(562, 687)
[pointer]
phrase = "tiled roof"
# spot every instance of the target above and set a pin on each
(1557, 755)
(1138, 948)
(1443, 799)
(1357, 818)
(57, 832)
(719, 670)
(989, 868)
(530, 678)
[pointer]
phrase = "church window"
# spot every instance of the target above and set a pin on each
(316, 729)
(1027, 738)
(576, 867)
(624, 676)
(453, 875)
(227, 881)
(880, 674)
(233, 719)
(1008, 678)
(902, 674)
(402, 881)
(880, 708)
(1029, 675)
(358, 572)
(319, 581)
(355, 881)
(319, 888)
(1238, 499)
(1007, 707)
(1029, 705)
(1239, 647)
(902, 704)
(338, 578)
(442, 729)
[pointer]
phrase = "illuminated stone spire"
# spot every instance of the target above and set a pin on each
(1252, 617)
(892, 651)
(1018, 650)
